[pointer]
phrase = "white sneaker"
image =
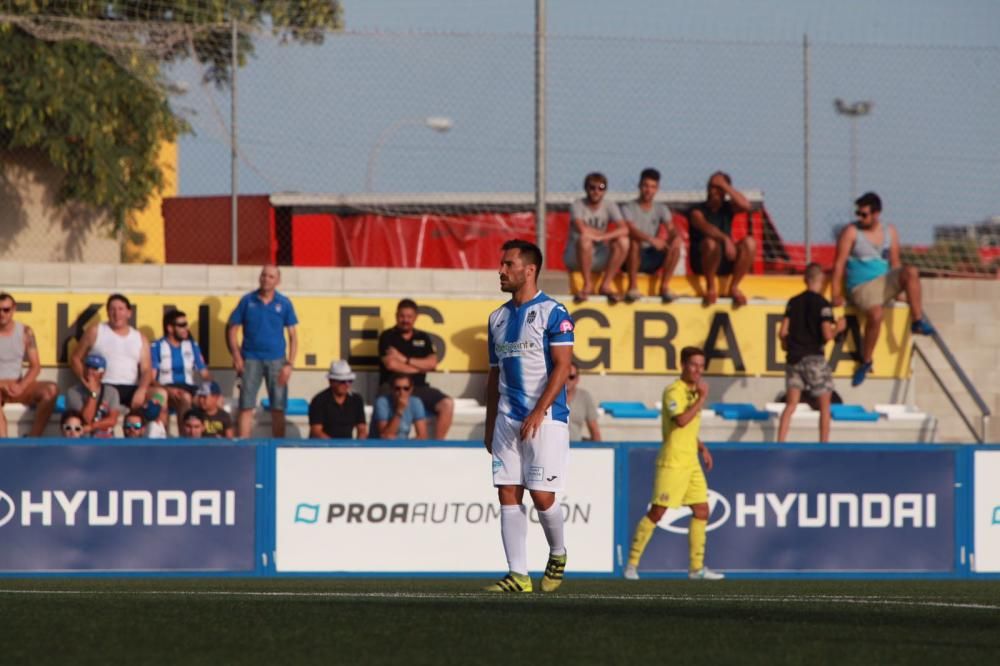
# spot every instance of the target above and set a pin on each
(705, 574)
(631, 573)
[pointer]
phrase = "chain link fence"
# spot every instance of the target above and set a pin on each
(372, 121)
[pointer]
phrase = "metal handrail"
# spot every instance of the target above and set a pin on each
(966, 382)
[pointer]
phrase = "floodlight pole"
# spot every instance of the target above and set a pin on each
(853, 112)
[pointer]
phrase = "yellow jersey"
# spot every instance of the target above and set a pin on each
(680, 445)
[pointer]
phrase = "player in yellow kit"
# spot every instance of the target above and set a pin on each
(679, 479)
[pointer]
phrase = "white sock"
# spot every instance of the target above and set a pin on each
(514, 532)
(552, 524)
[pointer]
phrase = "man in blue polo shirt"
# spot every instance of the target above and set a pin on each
(263, 315)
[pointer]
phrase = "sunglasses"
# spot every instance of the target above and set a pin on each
(404, 389)
(862, 215)
(596, 188)
(6, 309)
(133, 426)
(342, 381)
(72, 428)
(180, 324)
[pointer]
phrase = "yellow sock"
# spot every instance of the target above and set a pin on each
(643, 533)
(696, 543)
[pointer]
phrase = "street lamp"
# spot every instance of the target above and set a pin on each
(853, 111)
(439, 124)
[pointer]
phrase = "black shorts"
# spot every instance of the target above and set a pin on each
(694, 251)
(428, 395)
(125, 394)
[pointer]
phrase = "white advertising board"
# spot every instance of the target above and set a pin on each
(986, 512)
(425, 510)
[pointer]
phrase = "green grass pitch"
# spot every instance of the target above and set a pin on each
(446, 621)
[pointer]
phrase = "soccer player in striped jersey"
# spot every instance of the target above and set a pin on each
(527, 420)
(679, 479)
(178, 364)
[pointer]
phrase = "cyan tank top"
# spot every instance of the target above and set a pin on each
(867, 262)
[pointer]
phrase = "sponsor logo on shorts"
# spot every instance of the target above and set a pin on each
(497, 464)
(536, 473)
(552, 478)
(996, 515)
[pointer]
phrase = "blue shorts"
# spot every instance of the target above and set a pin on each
(254, 372)
(651, 260)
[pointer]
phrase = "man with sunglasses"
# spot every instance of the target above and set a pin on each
(17, 385)
(591, 245)
(868, 254)
(337, 412)
(395, 414)
(178, 364)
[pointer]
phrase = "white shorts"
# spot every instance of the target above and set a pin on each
(540, 463)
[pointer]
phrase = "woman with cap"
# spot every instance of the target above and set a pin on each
(336, 412)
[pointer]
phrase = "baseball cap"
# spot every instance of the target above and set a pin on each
(209, 388)
(95, 361)
(341, 371)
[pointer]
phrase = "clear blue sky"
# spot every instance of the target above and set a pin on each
(687, 86)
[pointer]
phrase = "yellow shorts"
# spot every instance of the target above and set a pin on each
(674, 487)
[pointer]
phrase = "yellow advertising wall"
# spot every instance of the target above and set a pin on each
(617, 339)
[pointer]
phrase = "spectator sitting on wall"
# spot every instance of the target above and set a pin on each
(96, 401)
(405, 349)
(218, 423)
(17, 345)
(713, 250)
(654, 243)
(336, 412)
(396, 413)
(124, 349)
(178, 364)
(591, 245)
(868, 253)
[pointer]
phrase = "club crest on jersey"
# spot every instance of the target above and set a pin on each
(565, 326)
(531, 316)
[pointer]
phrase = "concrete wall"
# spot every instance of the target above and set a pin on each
(35, 227)
(966, 313)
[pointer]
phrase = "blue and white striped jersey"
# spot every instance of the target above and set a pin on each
(177, 365)
(520, 339)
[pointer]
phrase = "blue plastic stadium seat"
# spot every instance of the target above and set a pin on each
(852, 413)
(296, 406)
(739, 411)
(629, 410)
(60, 404)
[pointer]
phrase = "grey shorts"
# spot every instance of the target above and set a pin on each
(254, 373)
(602, 252)
(811, 374)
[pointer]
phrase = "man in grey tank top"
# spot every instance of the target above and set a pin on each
(868, 256)
(17, 344)
(654, 243)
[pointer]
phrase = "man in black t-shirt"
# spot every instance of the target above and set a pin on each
(335, 413)
(714, 251)
(806, 328)
(406, 350)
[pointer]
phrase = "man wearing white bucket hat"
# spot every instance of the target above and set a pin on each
(336, 412)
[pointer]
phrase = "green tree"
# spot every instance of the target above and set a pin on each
(80, 82)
